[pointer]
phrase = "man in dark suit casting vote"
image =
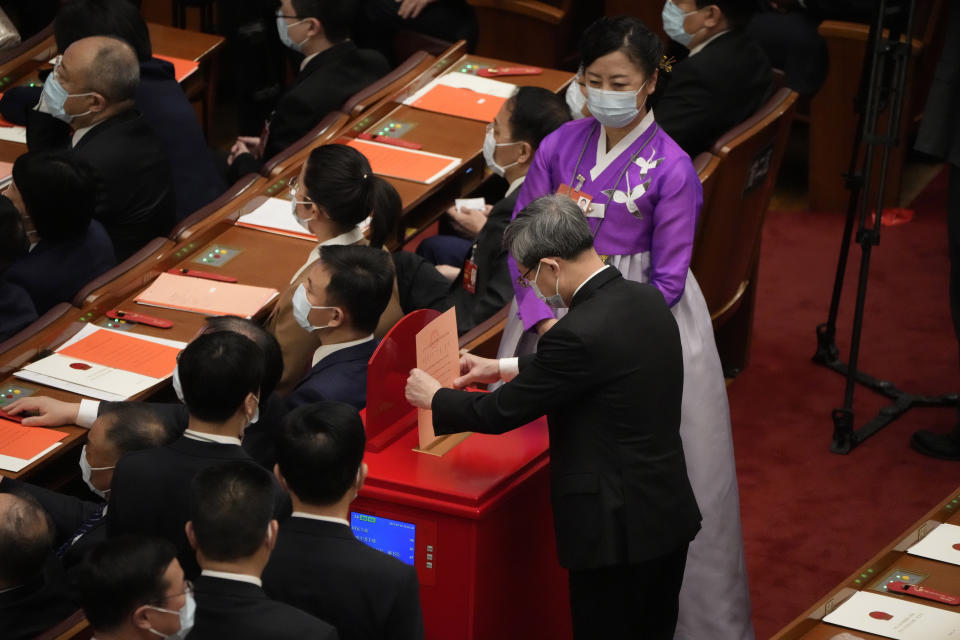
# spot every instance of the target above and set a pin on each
(609, 378)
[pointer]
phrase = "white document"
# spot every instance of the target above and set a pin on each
(275, 216)
(943, 544)
(14, 134)
(466, 81)
(9, 463)
(894, 617)
(98, 381)
(470, 203)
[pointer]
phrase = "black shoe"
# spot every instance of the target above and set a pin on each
(945, 446)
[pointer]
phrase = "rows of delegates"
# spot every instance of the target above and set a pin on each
(225, 514)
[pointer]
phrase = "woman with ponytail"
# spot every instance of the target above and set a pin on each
(340, 201)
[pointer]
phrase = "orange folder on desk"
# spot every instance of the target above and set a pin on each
(22, 442)
(206, 296)
(125, 352)
(406, 164)
(463, 103)
(182, 69)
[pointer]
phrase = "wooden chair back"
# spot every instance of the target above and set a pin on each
(388, 84)
(116, 284)
(188, 227)
(24, 335)
(76, 627)
(528, 31)
(741, 184)
(326, 130)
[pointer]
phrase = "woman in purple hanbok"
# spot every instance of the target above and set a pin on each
(641, 196)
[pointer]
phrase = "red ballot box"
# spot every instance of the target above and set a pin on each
(476, 522)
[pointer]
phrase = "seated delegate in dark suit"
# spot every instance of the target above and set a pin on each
(16, 307)
(722, 82)
(233, 531)
(340, 302)
(332, 71)
(219, 376)
(481, 283)
(257, 438)
(57, 193)
(318, 565)
(88, 105)
(133, 588)
(33, 595)
(609, 377)
(80, 524)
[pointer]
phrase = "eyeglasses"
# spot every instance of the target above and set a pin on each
(293, 183)
(187, 590)
(522, 279)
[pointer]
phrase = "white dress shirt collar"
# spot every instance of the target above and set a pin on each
(605, 158)
(697, 49)
(353, 236)
(79, 133)
(306, 61)
(210, 437)
(515, 185)
(329, 349)
(314, 516)
(592, 276)
(229, 575)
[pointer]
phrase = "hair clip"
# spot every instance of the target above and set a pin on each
(666, 64)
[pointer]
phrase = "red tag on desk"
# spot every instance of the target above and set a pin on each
(922, 592)
(470, 275)
(582, 199)
(493, 72)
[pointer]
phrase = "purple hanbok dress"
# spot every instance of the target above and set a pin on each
(645, 200)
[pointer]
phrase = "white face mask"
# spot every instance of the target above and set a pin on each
(556, 300)
(177, 387)
(490, 146)
(576, 101)
(673, 18)
(186, 615)
(293, 209)
(283, 30)
(302, 309)
(86, 471)
(613, 109)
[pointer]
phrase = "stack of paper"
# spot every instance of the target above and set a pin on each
(463, 95)
(106, 364)
(209, 297)
(406, 164)
(21, 446)
(943, 544)
(275, 216)
(896, 618)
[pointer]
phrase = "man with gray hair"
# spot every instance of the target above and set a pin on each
(87, 104)
(609, 377)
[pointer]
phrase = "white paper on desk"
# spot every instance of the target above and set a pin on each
(896, 618)
(275, 216)
(14, 134)
(9, 463)
(466, 81)
(943, 544)
(103, 383)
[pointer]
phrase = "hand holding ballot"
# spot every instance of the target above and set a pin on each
(420, 388)
(49, 412)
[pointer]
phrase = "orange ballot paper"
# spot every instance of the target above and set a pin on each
(182, 69)
(438, 353)
(463, 95)
(893, 617)
(406, 164)
(106, 364)
(209, 297)
(20, 446)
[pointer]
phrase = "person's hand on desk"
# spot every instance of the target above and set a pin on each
(245, 144)
(50, 412)
(421, 387)
(469, 222)
(412, 8)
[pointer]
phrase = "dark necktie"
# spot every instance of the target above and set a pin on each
(82, 530)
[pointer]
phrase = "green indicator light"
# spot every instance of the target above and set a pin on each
(857, 581)
(869, 570)
(204, 259)
(6, 78)
(863, 575)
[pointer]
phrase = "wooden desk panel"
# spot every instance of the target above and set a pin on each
(941, 576)
(181, 43)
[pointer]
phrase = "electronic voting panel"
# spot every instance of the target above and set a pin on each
(476, 522)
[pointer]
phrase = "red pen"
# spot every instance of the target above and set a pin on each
(201, 274)
(7, 416)
(923, 592)
(139, 318)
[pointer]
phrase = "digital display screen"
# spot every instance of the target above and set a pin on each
(392, 537)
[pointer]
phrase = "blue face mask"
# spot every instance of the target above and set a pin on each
(54, 98)
(673, 17)
(556, 300)
(302, 309)
(283, 29)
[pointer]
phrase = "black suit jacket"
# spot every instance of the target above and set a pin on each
(713, 91)
(609, 377)
(330, 79)
(240, 611)
(54, 272)
(31, 609)
(16, 309)
(322, 568)
(135, 199)
(151, 492)
(69, 514)
(341, 376)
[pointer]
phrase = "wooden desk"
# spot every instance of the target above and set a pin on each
(941, 577)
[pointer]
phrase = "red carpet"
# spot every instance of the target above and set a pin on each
(812, 517)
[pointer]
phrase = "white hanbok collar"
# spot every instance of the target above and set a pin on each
(605, 158)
